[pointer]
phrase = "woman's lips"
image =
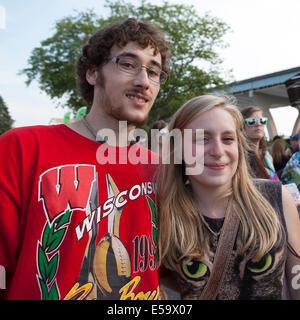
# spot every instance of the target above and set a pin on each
(215, 166)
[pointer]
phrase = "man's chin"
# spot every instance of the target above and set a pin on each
(135, 121)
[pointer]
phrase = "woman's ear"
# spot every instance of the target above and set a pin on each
(92, 76)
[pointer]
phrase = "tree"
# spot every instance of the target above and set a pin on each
(6, 121)
(194, 41)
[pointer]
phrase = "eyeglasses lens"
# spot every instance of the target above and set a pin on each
(251, 122)
(263, 121)
(131, 66)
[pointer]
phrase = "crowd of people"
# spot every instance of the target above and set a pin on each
(74, 226)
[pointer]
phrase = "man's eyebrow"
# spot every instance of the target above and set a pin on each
(134, 56)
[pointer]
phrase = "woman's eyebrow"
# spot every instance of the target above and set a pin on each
(211, 132)
(229, 132)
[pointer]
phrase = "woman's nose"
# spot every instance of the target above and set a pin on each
(216, 148)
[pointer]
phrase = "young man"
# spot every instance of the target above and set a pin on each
(73, 227)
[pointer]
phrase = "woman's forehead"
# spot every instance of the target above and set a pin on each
(256, 114)
(214, 119)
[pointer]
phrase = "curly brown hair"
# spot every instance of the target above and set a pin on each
(96, 51)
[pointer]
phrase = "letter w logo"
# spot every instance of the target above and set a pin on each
(65, 186)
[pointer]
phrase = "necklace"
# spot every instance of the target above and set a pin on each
(216, 234)
(97, 137)
(206, 224)
(91, 130)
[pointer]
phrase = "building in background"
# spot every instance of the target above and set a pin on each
(274, 90)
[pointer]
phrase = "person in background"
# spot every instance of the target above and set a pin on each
(294, 143)
(75, 225)
(195, 209)
(276, 137)
(288, 150)
(157, 130)
(291, 171)
(269, 148)
(260, 160)
(280, 158)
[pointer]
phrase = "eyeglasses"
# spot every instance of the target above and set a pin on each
(131, 66)
(251, 122)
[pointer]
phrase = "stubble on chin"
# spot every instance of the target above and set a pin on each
(140, 123)
(118, 112)
(121, 114)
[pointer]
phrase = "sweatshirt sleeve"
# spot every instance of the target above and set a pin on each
(10, 200)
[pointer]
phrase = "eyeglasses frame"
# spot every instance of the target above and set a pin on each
(138, 70)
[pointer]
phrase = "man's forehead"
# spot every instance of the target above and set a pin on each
(134, 48)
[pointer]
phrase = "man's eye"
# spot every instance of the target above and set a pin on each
(127, 63)
(153, 73)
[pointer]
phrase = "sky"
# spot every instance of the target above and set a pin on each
(263, 39)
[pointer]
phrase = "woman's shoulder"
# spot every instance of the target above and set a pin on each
(267, 183)
(271, 190)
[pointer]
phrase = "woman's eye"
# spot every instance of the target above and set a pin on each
(228, 139)
(201, 140)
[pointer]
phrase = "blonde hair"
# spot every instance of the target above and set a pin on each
(181, 232)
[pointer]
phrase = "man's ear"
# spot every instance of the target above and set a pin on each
(92, 76)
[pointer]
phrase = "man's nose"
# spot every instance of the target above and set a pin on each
(142, 79)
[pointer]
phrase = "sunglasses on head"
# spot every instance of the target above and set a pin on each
(251, 122)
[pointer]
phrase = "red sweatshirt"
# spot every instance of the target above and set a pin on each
(71, 227)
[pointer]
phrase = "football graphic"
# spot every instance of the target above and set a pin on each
(111, 266)
(111, 263)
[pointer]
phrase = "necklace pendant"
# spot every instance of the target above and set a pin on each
(215, 241)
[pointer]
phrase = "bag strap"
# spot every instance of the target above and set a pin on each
(223, 254)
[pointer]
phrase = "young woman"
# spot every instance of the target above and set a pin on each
(260, 160)
(194, 208)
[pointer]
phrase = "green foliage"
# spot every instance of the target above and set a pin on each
(193, 40)
(53, 63)
(6, 121)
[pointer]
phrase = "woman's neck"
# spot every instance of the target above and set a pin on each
(211, 201)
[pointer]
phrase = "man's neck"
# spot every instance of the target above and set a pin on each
(100, 125)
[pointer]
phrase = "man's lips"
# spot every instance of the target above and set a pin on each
(141, 98)
(215, 166)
